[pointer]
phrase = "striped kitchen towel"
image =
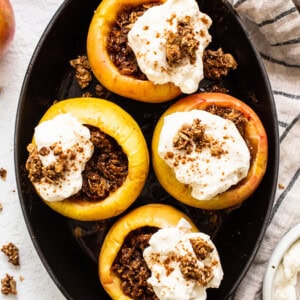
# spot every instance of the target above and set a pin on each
(274, 26)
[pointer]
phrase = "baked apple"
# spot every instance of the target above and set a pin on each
(157, 234)
(208, 184)
(88, 159)
(125, 80)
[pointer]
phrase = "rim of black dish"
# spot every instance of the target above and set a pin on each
(18, 133)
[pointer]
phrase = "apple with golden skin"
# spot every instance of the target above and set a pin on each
(103, 67)
(255, 135)
(153, 215)
(7, 25)
(117, 123)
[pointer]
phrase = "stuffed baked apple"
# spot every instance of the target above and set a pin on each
(210, 151)
(88, 159)
(148, 50)
(156, 252)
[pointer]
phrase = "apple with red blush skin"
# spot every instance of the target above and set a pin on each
(7, 25)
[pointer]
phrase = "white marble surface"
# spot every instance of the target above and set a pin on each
(32, 16)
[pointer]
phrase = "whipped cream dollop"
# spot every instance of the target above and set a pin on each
(205, 151)
(287, 277)
(64, 146)
(176, 27)
(183, 263)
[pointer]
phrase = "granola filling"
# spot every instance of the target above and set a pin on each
(117, 43)
(231, 114)
(131, 267)
(104, 172)
(107, 169)
(239, 120)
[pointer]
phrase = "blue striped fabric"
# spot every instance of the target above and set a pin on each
(274, 27)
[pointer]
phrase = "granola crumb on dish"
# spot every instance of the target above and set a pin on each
(217, 64)
(8, 285)
(83, 70)
(12, 252)
(87, 95)
(216, 88)
(101, 91)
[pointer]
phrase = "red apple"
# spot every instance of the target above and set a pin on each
(7, 25)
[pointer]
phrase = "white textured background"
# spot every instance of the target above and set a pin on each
(32, 16)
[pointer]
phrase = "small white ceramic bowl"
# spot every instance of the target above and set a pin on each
(285, 243)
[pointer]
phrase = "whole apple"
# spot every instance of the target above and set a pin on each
(7, 25)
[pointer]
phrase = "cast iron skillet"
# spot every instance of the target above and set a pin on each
(69, 249)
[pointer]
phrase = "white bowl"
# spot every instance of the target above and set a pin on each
(285, 243)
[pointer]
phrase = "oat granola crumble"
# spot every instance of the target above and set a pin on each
(82, 70)
(181, 44)
(12, 252)
(86, 95)
(217, 64)
(101, 91)
(193, 137)
(117, 43)
(131, 267)
(8, 285)
(231, 114)
(54, 172)
(104, 172)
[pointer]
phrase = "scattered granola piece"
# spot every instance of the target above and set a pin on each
(87, 94)
(1, 207)
(12, 252)
(217, 64)
(3, 173)
(8, 285)
(78, 232)
(281, 186)
(22, 278)
(101, 91)
(83, 70)
(216, 88)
